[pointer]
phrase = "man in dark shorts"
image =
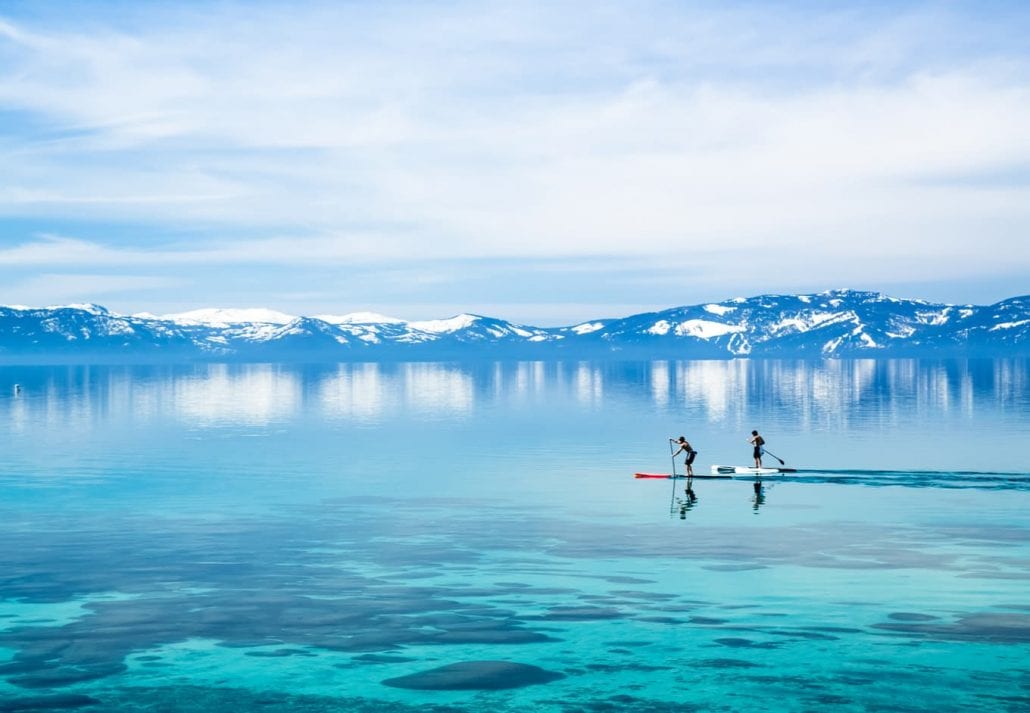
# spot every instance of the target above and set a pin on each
(684, 447)
(757, 441)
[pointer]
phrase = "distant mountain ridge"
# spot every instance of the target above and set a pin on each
(836, 323)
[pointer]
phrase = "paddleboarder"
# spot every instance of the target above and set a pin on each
(685, 447)
(757, 441)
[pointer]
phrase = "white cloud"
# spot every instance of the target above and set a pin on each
(536, 130)
(355, 248)
(60, 288)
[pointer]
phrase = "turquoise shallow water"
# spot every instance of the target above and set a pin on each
(274, 538)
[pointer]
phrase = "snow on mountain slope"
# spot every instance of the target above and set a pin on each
(587, 327)
(359, 318)
(445, 326)
(214, 317)
(705, 329)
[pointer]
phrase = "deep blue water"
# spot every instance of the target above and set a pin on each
(285, 538)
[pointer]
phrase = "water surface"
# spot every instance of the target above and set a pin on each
(326, 537)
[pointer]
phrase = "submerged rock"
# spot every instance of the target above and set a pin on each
(475, 675)
(47, 703)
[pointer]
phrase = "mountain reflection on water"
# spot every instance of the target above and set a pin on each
(814, 393)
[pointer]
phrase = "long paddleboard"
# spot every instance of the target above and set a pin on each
(678, 476)
(745, 470)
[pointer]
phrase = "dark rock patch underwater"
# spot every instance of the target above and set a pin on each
(475, 675)
(65, 701)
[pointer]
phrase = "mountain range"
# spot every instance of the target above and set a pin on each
(836, 323)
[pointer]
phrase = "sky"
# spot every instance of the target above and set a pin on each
(544, 162)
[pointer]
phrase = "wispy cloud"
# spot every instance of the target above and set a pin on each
(352, 248)
(62, 288)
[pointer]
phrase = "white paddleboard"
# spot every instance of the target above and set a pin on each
(745, 470)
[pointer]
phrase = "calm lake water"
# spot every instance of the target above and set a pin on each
(470, 538)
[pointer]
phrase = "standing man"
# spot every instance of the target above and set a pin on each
(684, 447)
(757, 441)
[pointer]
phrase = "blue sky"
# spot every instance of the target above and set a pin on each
(540, 161)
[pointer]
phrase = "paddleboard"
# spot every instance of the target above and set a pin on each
(678, 476)
(745, 470)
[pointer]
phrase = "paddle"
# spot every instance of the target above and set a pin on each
(672, 457)
(774, 456)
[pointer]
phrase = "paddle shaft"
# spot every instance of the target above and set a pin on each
(782, 462)
(672, 500)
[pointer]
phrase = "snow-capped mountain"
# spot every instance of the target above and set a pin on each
(839, 323)
(835, 323)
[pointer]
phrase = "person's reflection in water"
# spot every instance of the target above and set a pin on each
(688, 501)
(759, 498)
